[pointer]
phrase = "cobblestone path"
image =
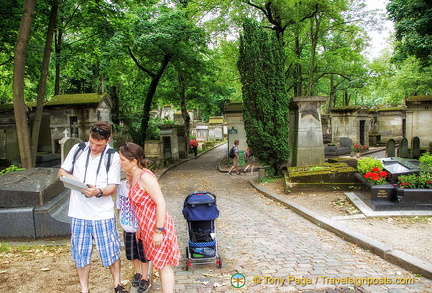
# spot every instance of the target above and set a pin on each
(275, 249)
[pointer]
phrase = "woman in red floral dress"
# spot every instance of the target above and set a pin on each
(156, 227)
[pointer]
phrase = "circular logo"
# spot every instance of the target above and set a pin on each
(238, 280)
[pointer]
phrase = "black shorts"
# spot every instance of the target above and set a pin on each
(134, 247)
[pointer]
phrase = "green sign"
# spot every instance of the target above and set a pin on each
(232, 131)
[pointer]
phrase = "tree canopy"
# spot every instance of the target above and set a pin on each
(149, 53)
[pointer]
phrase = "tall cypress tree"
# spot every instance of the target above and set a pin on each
(265, 98)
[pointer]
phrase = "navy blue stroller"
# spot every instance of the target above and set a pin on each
(200, 211)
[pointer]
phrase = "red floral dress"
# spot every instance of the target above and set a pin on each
(145, 210)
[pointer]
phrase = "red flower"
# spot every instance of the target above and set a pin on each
(376, 169)
(383, 174)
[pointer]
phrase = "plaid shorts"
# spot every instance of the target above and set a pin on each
(134, 247)
(105, 235)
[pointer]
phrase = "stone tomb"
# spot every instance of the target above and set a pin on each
(389, 197)
(34, 203)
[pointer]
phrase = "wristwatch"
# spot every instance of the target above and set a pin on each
(100, 193)
(159, 230)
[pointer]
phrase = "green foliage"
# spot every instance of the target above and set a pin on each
(420, 180)
(413, 26)
(265, 99)
(11, 168)
(426, 158)
(4, 247)
(365, 165)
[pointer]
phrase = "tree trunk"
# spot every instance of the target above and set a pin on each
(298, 70)
(58, 44)
(314, 30)
(42, 82)
(185, 114)
(149, 98)
(18, 83)
(331, 101)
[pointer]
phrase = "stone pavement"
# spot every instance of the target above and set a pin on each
(272, 247)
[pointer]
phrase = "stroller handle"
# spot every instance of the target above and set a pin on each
(201, 192)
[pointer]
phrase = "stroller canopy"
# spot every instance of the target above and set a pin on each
(200, 206)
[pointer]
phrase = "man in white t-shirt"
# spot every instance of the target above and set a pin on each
(91, 211)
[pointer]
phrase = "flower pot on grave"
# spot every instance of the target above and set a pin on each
(382, 192)
(414, 195)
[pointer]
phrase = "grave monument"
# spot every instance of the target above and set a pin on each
(306, 137)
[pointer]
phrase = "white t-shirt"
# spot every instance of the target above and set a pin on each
(126, 212)
(92, 208)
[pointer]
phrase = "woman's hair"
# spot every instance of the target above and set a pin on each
(133, 151)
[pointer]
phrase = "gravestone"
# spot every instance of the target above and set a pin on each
(391, 148)
(306, 131)
(389, 196)
(68, 144)
(415, 147)
(34, 203)
(403, 148)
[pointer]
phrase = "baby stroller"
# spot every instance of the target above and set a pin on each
(200, 211)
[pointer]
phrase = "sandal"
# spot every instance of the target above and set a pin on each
(136, 280)
(144, 286)
(120, 289)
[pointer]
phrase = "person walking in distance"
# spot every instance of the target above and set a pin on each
(91, 210)
(234, 151)
(133, 246)
(251, 161)
(155, 225)
(194, 146)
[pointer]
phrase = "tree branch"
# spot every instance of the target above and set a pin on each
(135, 60)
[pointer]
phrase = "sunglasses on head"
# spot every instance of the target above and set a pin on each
(100, 131)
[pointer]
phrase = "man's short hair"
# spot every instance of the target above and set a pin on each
(100, 130)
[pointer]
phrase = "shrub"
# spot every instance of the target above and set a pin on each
(11, 168)
(366, 165)
(426, 158)
(421, 180)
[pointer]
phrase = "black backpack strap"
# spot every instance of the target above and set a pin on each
(109, 153)
(78, 152)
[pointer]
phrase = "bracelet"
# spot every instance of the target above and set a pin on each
(159, 230)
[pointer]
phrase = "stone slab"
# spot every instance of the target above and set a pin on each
(28, 188)
(17, 223)
(51, 219)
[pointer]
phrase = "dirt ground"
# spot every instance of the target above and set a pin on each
(47, 266)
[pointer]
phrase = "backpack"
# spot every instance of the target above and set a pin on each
(232, 153)
(82, 145)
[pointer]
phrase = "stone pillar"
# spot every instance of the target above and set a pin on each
(306, 137)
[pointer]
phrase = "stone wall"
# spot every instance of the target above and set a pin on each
(390, 124)
(418, 119)
(352, 122)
